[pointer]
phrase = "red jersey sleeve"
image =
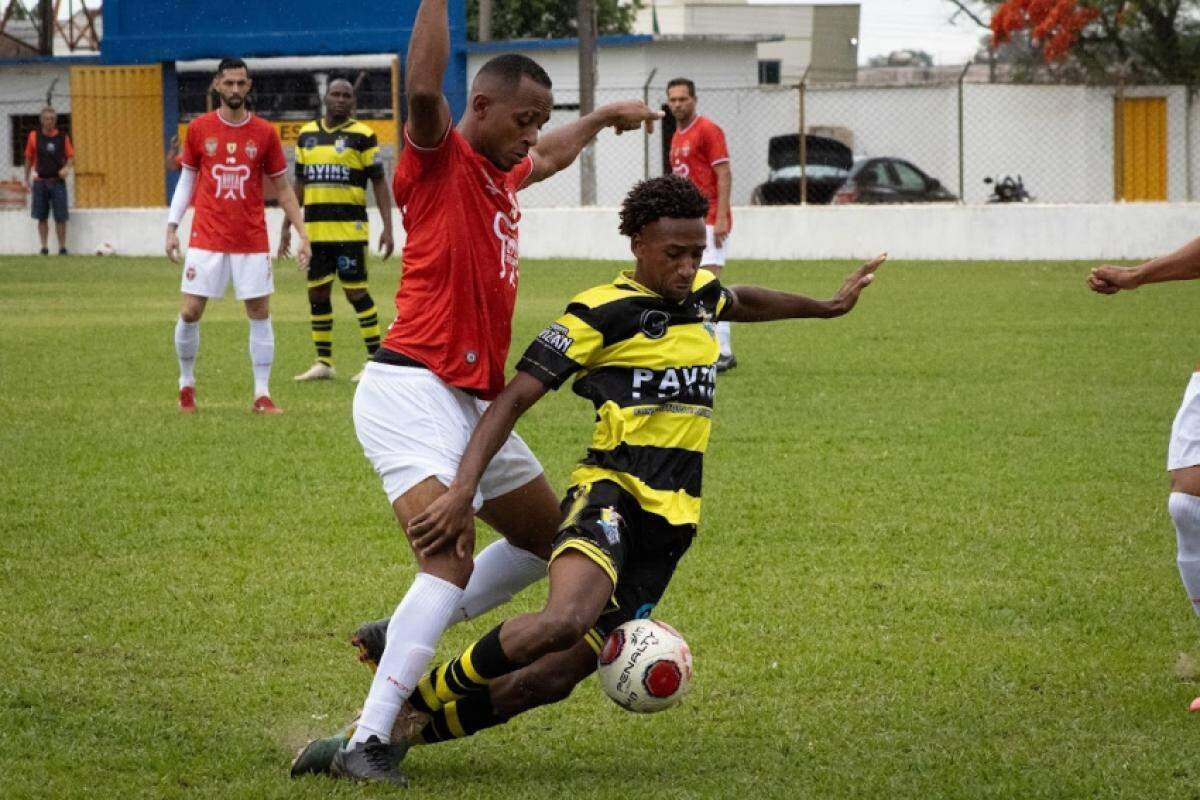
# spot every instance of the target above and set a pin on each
(190, 157)
(31, 147)
(422, 160)
(714, 145)
(70, 149)
(274, 162)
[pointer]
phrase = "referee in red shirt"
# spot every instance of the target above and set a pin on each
(48, 155)
(443, 358)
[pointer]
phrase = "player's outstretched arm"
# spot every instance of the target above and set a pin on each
(1181, 265)
(558, 149)
(756, 304)
(451, 518)
(428, 55)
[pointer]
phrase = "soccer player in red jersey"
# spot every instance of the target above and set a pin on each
(226, 155)
(698, 153)
(443, 358)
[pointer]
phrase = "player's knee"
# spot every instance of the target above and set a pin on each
(1185, 513)
(448, 566)
(318, 294)
(355, 295)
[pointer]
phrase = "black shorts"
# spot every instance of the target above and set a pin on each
(49, 195)
(637, 549)
(347, 259)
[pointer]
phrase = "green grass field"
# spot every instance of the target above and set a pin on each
(935, 561)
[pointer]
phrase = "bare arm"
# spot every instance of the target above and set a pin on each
(756, 304)
(1181, 265)
(428, 56)
(383, 199)
(285, 230)
(451, 517)
(28, 170)
(724, 186)
(559, 148)
(291, 209)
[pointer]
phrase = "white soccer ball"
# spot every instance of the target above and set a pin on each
(105, 249)
(645, 666)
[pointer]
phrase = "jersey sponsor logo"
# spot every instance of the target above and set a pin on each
(556, 337)
(654, 323)
(231, 181)
(506, 232)
(682, 170)
(326, 173)
(210, 145)
(677, 382)
(346, 262)
(251, 149)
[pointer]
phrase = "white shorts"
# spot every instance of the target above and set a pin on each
(712, 254)
(206, 274)
(412, 426)
(1184, 449)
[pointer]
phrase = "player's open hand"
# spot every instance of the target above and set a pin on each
(447, 521)
(386, 244)
(304, 254)
(861, 278)
(629, 115)
(173, 250)
(1107, 279)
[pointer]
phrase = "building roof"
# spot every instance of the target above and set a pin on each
(621, 40)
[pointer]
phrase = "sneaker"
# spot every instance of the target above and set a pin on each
(371, 761)
(358, 375)
(44, 251)
(187, 400)
(62, 251)
(264, 405)
(319, 371)
(370, 640)
(726, 363)
(316, 757)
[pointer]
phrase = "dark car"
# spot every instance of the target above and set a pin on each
(828, 165)
(890, 180)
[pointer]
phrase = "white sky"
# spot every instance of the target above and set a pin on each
(887, 25)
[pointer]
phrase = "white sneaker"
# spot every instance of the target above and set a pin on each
(358, 375)
(319, 371)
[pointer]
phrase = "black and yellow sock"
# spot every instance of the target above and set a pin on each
(469, 674)
(321, 315)
(459, 719)
(368, 322)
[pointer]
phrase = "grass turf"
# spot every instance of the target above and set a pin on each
(935, 559)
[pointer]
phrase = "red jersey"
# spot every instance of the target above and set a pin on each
(231, 161)
(695, 150)
(459, 283)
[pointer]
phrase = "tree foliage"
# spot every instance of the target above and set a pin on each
(1150, 41)
(550, 19)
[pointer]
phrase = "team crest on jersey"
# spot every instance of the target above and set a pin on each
(610, 524)
(654, 323)
(231, 147)
(210, 145)
(251, 150)
(49, 147)
(339, 145)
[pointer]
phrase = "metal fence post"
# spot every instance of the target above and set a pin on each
(1188, 106)
(645, 134)
(962, 158)
(802, 88)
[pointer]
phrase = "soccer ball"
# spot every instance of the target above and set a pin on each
(105, 249)
(645, 666)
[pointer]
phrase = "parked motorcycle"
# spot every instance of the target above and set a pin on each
(1007, 190)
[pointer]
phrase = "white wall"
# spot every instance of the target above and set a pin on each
(921, 232)
(23, 91)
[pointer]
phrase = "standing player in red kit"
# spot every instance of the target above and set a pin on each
(698, 153)
(443, 358)
(225, 156)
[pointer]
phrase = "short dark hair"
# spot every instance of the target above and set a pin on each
(232, 63)
(668, 196)
(510, 67)
(691, 87)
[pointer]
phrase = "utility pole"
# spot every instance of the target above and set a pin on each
(45, 27)
(485, 20)
(587, 98)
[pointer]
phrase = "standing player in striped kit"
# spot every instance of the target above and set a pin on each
(335, 156)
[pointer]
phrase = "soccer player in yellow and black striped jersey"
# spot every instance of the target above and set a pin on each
(335, 157)
(643, 350)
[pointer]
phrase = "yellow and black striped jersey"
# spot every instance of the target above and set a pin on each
(649, 367)
(334, 164)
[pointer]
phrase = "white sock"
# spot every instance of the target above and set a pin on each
(262, 354)
(187, 345)
(1185, 511)
(501, 571)
(723, 337)
(412, 634)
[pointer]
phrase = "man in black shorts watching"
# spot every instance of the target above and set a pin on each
(48, 156)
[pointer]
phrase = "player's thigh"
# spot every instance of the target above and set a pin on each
(205, 273)
(253, 275)
(550, 679)
(527, 516)
(351, 265)
(444, 564)
(322, 266)
(1183, 451)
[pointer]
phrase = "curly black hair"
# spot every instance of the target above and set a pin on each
(667, 196)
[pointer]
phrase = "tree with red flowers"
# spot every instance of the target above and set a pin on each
(1145, 40)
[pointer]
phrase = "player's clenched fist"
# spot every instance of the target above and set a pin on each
(1110, 280)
